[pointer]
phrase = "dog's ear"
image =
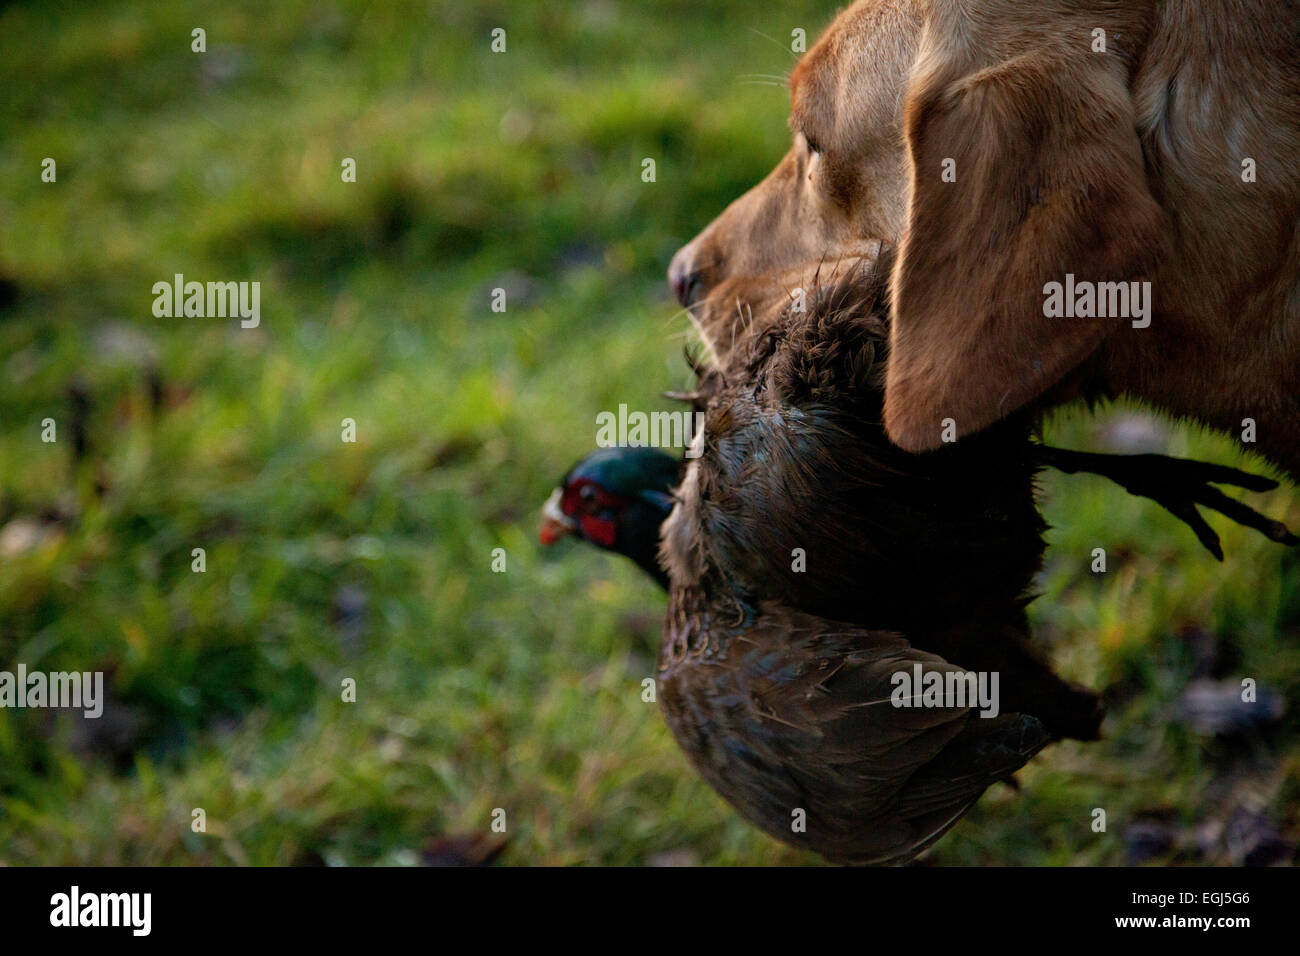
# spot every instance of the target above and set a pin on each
(1021, 173)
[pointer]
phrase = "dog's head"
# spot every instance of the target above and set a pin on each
(998, 150)
(845, 175)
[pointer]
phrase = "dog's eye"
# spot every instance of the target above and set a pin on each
(813, 145)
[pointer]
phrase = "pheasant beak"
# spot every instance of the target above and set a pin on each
(555, 523)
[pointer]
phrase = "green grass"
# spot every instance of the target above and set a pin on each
(372, 560)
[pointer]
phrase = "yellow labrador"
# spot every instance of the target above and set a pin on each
(1099, 196)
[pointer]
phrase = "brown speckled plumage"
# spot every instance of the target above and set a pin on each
(777, 682)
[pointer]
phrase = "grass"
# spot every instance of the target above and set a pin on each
(372, 560)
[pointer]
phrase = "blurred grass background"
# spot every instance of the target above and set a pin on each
(326, 560)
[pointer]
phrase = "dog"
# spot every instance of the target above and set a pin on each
(1094, 199)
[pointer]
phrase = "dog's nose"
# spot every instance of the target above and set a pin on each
(682, 276)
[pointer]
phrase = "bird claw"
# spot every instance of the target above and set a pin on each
(1179, 485)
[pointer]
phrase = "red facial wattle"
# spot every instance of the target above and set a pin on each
(596, 510)
(597, 530)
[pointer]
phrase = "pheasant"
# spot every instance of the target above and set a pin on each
(818, 575)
